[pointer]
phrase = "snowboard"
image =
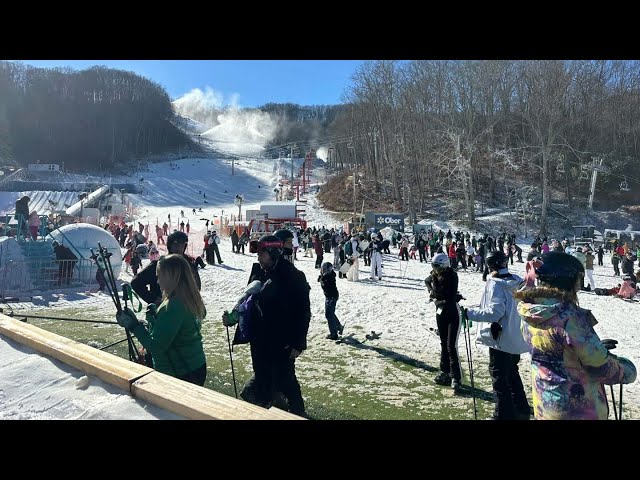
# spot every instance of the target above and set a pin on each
(345, 267)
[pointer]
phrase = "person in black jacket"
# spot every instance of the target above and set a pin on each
(22, 215)
(147, 277)
(600, 255)
(627, 264)
(66, 262)
(327, 280)
(443, 289)
(279, 326)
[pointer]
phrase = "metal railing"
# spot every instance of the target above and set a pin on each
(41, 274)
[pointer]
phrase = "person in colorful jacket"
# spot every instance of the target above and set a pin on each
(172, 334)
(569, 363)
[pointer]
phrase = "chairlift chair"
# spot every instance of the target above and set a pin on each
(560, 168)
(624, 186)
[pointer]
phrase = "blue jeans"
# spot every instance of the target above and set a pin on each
(330, 313)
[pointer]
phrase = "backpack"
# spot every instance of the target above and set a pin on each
(348, 248)
(245, 312)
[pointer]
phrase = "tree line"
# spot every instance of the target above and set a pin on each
(480, 130)
(89, 119)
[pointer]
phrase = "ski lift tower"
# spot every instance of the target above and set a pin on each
(239, 201)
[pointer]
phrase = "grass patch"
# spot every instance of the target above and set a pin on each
(337, 384)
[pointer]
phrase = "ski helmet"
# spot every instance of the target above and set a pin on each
(496, 260)
(440, 260)
(271, 244)
(559, 270)
(176, 237)
(326, 268)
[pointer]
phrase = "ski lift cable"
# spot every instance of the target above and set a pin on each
(617, 175)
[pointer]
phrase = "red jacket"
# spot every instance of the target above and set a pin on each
(452, 250)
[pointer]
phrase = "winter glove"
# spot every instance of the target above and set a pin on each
(152, 310)
(230, 319)
(609, 343)
(127, 319)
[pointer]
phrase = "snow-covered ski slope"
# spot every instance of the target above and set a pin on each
(359, 378)
(43, 202)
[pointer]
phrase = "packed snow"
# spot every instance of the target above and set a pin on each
(395, 307)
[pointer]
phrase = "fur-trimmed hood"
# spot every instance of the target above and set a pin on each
(541, 304)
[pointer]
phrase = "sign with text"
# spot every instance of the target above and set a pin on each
(381, 220)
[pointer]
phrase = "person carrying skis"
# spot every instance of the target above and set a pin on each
(569, 363)
(327, 279)
(503, 335)
(443, 290)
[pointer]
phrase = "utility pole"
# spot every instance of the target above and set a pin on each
(232, 165)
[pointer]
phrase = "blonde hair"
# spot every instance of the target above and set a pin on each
(181, 284)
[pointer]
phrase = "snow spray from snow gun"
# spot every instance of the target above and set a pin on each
(610, 344)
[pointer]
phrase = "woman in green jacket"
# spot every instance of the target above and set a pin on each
(172, 331)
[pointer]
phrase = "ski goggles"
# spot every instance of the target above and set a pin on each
(256, 246)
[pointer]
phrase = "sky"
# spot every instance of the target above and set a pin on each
(244, 83)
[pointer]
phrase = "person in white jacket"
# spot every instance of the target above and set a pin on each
(353, 274)
(501, 332)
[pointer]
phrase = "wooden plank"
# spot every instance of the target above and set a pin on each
(144, 383)
(199, 403)
(107, 367)
(274, 413)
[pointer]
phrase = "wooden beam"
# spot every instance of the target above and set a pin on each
(107, 367)
(199, 403)
(144, 383)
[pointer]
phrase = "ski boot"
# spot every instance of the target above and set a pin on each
(443, 379)
(456, 386)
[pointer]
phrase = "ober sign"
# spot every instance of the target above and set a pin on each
(393, 220)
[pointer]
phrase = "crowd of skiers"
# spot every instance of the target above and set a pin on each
(516, 315)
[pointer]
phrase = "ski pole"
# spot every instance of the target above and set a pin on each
(620, 409)
(112, 344)
(233, 373)
(467, 343)
(613, 401)
(132, 347)
(11, 314)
